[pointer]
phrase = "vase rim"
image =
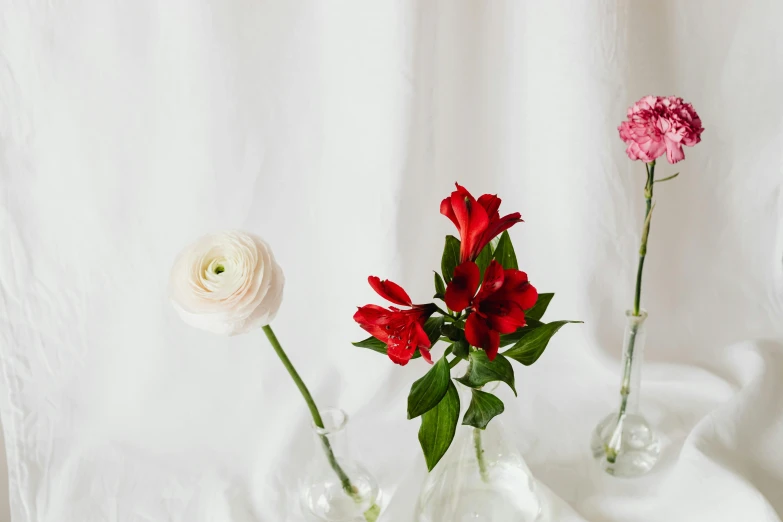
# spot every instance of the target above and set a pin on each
(642, 314)
(334, 420)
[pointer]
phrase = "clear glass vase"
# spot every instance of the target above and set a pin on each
(336, 488)
(624, 444)
(482, 478)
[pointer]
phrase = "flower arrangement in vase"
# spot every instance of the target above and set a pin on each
(229, 283)
(624, 443)
(489, 304)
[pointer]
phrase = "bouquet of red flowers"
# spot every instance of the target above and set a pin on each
(490, 305)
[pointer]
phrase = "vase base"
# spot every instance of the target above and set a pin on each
(637, 452)
(507, 493)
(327, 501)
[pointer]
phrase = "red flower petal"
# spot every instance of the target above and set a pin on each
(511, 319)
(478, 222)
(476, 331)
(399, 353)
(373, 314)
(493, 280)
(445, 206)
(494, 345)
(491, 204)
(390, 291)
(463, 286)
(495, 228)
(373, 319)
(423, 342)
(462, 191)
(504, 223)
(518, 289)
(478, 334)
(406, 335)
(401, 330)
(419, 336)
(446, 210)
(472, 221)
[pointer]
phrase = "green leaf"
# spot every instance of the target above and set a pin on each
(483, 259)
(451, 332)
(461, 349)
(440, 287)
(438, 427)
(512, 338)
(450, 258)
(533, 343)
(428, 391)
(542, 303)
(494, 244)
(483, 408)
(432, 329)
(504, 252)
(460, 346)
(482, 371)
(375, 345)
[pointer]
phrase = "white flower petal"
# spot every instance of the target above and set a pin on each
(227, 283)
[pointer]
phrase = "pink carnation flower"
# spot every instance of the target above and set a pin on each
(658, 124)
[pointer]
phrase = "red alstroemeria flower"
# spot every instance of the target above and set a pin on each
(498, 308)
(401, 330)
(479, 222)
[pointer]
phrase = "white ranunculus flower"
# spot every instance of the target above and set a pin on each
(227, 283)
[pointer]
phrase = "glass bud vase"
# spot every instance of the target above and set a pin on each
(336, 488)
(624, 444)
(482, 478)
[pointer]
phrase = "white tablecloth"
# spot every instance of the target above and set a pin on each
(333, 130)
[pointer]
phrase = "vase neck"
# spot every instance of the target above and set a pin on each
(636, 320)
(335, 425)
(633, 357)
(494, 443)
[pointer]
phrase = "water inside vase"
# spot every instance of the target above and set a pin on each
(461, 488)
(336, 487)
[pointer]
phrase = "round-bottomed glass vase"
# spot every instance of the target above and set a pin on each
(482, 478)
(335, 487)
(624, 444)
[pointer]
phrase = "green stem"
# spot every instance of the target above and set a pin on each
(317, 420)
(482, 464)
(615, 443)
(448, 316)
(648, 195)
(443, 312)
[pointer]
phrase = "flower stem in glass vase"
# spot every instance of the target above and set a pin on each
(372, 513)
(625, 390)
(482, 477)
(482, 464)
(624, 441)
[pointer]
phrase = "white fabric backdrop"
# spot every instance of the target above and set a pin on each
(333, 130)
